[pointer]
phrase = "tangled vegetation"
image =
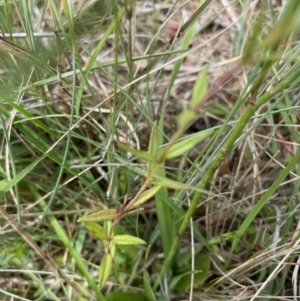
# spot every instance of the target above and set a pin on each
(149, 150)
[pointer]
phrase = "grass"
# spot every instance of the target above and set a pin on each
(149, 152)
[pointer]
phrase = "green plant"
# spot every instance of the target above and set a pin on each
(88, 148)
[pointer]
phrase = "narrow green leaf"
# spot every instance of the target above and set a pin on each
(185, 118)
(148, 289)
(200, 89)
(145, 196)
(126, 239)
(3, 183)
(152, 148)
(21, 175)
(2, 171)
(105, 269)
(187, 144)
(97, 230)
(100, 216)
(163, 210)
(112, 249)
(32, 119)
(172, 184)
(140, 154)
